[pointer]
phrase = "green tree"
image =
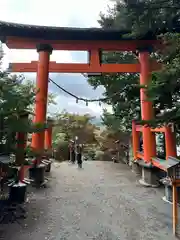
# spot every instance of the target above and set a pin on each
(15, 98)
(144, 19)
(72, 125)
(67, 126)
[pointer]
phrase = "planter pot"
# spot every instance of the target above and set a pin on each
(17, 193)
(32, 173)
(37, 174)
(48, 167)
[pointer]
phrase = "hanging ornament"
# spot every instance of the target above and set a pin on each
(76, 100)
(86, 103)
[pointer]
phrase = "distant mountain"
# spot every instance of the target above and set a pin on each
(97, 121)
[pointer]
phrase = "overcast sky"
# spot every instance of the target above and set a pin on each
(69, 13)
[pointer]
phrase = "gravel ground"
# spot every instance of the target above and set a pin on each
(102, 201)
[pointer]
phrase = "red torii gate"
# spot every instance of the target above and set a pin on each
(93, 40)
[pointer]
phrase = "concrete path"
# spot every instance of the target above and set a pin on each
(103, 201)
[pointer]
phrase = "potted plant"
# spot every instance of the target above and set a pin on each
(47, 159)
(18, 187)
(48, 144)
(37, 171)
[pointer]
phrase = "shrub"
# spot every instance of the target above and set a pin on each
(61, 152)
(99, 155)
(91, 154)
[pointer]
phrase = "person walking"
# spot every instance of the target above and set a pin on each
(72, 152)
(79, 155)
(73, 155)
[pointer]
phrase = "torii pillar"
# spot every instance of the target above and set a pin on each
(48, 136)
(170, 141)
(147, 113)
(44, 51)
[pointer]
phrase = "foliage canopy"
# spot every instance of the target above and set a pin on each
(143, 18)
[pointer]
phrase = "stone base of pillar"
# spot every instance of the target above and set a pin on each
(48, 167)
(37, 175)
(149, 178)
(136, 168)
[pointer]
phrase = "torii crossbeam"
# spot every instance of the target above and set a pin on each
(81, 68)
